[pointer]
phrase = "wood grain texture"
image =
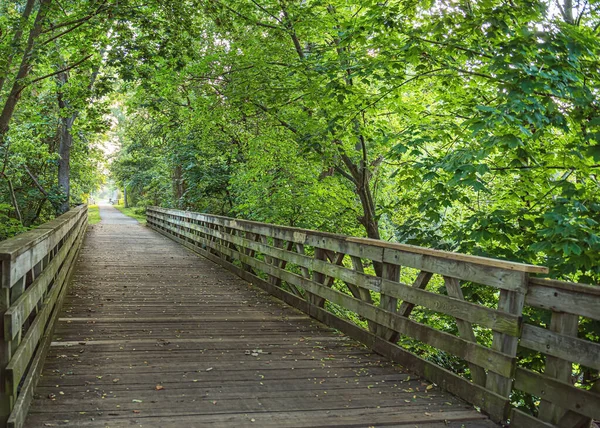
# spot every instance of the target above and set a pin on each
(562, 346)
(555, 391)
(35, 271)
(233, 243)
(151, 334)
(297, 235)
(491, 403)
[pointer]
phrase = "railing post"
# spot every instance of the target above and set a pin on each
(511, 302)
(558, 368)
(5, 346)
(390, 272)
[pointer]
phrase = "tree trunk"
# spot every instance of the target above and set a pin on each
(64, 146)
(125, 203)
(64, 162)
(24, 70)
(16, 41)
(178, 186)
(66, 138)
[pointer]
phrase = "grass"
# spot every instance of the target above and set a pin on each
(93, 214)
(132, 212)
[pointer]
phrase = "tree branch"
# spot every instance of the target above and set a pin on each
(13, 197)
(75, 21)
(35, 181)
(253, 21)
(62, 70)
(460, 48)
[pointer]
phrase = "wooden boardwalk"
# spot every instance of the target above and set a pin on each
(151, 335)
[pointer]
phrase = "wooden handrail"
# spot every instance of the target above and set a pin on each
(483, 261)
(35, 268)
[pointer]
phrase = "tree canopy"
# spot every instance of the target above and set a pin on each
(463, 125)
(469, 126)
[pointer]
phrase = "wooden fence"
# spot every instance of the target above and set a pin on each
(35, 268)
(382, 283)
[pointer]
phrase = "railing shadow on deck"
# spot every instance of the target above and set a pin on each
(35, 269)
(307, 268)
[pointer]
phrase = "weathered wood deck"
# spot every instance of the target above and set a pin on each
(153, 335)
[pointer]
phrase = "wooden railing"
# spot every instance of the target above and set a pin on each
(35, 268)
(369, 278)
(570, 308)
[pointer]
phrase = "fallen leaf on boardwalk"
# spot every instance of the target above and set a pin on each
(136, 401)
(214, 402)
(209, 369)
(136, 411)
(427, 414)
(429, 387)
(116, 380)
(159, 387)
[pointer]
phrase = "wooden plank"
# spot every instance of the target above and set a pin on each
(465, 329)
(23, 354)
(581, 302)
(519, 419)
(506, 279)
(573, 419)
(556, 367)
(469, 351)
(20, 310)
(317, 277)
(359, 292)
(306, 371)
(494, 319)
(364, 242)
(420, 283)
(333, 242)
(569, 397)
(510, 302)
(303, 269)
(492, 404)
(317, 264)
(471, 312)
(5, 353)
(19, 412)
(19, 252)
(563, 285)
(474, 260)
(561, 346)
(389, 303)
(278, 263)
(27, 249)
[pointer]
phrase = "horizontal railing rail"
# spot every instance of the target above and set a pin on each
(35, 268)
(383, 284)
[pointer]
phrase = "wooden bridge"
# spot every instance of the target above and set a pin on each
(121, 326)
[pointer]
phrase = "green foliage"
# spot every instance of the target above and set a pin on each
(9, 226)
